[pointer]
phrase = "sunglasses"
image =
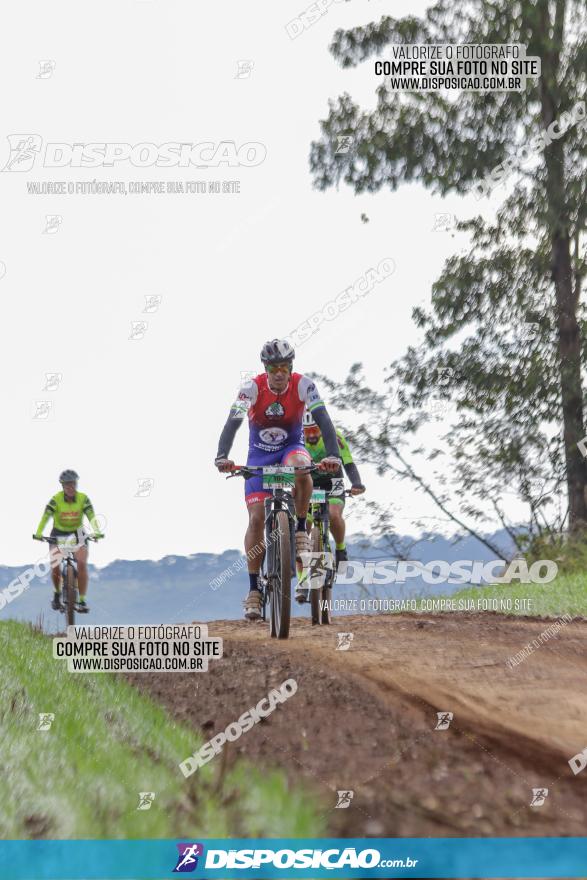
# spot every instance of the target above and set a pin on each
(275, 368)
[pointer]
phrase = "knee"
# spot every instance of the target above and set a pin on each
(299, 461)
(256, 519)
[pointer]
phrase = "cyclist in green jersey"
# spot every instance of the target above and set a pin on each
(68, 508)
(315, 446)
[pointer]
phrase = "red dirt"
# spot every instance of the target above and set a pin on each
(364, 720)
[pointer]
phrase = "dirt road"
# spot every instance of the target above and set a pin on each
(365, 719)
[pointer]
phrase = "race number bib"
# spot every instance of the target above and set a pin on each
(67, 540)
(278, 477)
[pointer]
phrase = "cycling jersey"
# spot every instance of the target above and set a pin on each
(324, 481)
(67, 515)
(275, 425)
(275, 420)
(318, 450)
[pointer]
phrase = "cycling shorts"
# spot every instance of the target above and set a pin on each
(66, 538)
(335, 499)
(254, 490)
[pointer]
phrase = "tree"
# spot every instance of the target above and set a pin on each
(518, 394)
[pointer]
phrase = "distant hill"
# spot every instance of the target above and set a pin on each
(179, 588)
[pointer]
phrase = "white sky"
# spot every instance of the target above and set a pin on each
(232, 270)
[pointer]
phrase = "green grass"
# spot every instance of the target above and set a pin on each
(566, 594)
(81, 779)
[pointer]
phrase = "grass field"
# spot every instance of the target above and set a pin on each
(566, 594)
(82, 778)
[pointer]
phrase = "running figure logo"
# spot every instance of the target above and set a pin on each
(146, 798)
(46, 69)
(152, 303)
(344, 641)
(52, 223)
(188, 857)
(444, 719)
(145, 487)
(138, 329)
(345, 142)
(444, 222)
(46, 719)
(316, 565)
(52, 381)
(23, 151)
(539, 795)
(244, 68)
(42, 410)
(344, 799)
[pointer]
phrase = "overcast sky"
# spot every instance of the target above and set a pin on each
(231, 269)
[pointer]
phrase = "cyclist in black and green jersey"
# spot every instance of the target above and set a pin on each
(315, 446)
(67, 509)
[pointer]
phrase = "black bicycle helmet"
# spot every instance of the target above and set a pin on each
(68, 477)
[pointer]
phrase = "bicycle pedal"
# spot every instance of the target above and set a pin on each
(301, 596)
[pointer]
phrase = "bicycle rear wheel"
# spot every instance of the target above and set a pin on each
(280, 597)
(327, 598)
(330, 577)
(70, 593)
(316, 597)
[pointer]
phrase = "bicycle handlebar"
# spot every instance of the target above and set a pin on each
(346, 493)
(51, 540)
(247, 470)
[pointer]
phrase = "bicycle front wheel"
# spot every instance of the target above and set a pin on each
(70, 594)
(280, 599)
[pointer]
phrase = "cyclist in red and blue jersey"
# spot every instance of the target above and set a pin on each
(274, 402)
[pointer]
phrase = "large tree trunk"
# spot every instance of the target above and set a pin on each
(569, 339)
(570, 378)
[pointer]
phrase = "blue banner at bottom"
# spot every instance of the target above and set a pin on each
(288, 858)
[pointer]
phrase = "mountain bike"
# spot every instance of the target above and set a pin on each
(68, 574)
(278, 565)
(322, 563)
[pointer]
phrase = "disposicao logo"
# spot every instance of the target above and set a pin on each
(187, 859)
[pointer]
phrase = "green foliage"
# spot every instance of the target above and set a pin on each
(569, 552)
(566, 594)
(108, 742)
(518, 396)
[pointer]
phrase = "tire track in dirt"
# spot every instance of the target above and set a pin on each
(363, 720)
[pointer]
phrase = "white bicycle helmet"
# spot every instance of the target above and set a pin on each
(308, 420)
(276, 351)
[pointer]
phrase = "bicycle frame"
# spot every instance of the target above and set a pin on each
(320, 513)
(68, 561)
(280, 499)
